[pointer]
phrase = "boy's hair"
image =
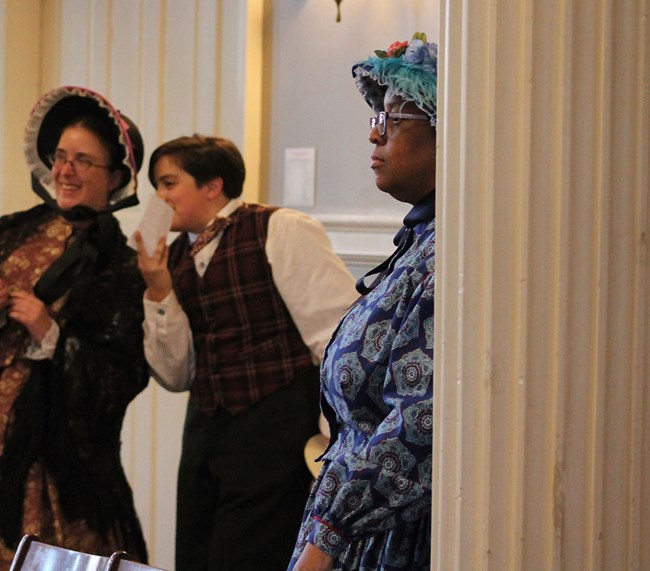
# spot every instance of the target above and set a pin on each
(205, 158)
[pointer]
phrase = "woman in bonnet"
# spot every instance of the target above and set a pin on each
(370, 507)
(71, 354)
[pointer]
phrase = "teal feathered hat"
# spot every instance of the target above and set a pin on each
(410, 68)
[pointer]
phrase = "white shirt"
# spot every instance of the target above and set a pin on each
(313, 282)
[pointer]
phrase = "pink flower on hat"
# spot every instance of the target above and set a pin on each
(396, 49)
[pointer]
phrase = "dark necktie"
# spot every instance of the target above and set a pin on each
(422, 211)
(212, 230)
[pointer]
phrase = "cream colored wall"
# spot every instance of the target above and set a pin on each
(19, 89)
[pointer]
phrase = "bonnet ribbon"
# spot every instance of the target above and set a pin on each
(422, 211)
(93, 245)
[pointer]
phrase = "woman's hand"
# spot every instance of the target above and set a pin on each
(31, 312)
(313, 559)
(154, 268)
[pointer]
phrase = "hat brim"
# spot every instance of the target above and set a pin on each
(374, 76)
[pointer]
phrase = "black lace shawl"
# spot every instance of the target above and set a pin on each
(69, 413)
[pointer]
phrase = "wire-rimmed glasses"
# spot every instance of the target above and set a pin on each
(381, 119)
(80, 163)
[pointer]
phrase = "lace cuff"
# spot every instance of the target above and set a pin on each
(44, 349)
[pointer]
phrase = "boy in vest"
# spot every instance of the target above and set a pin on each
(239, 309)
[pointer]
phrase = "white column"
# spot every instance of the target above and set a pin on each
(542, 438)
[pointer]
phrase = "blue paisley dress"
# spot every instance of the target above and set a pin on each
(370, 507)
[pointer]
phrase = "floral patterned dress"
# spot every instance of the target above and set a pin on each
(370, 507)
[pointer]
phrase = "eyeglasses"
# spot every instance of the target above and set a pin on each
(79, 163)
(382, 117)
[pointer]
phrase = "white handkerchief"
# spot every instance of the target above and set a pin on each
(156, 223)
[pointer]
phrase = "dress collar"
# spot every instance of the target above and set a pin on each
(422, 211)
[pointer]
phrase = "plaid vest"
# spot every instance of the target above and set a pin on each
(247, 346)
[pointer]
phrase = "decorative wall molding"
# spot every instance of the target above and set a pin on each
(361, 240)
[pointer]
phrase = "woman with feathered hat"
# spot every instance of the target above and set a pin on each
(71, 354)
(370, 507)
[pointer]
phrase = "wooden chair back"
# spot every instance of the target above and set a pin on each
(33, 555)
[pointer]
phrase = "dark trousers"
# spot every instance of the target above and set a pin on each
(243, 482)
